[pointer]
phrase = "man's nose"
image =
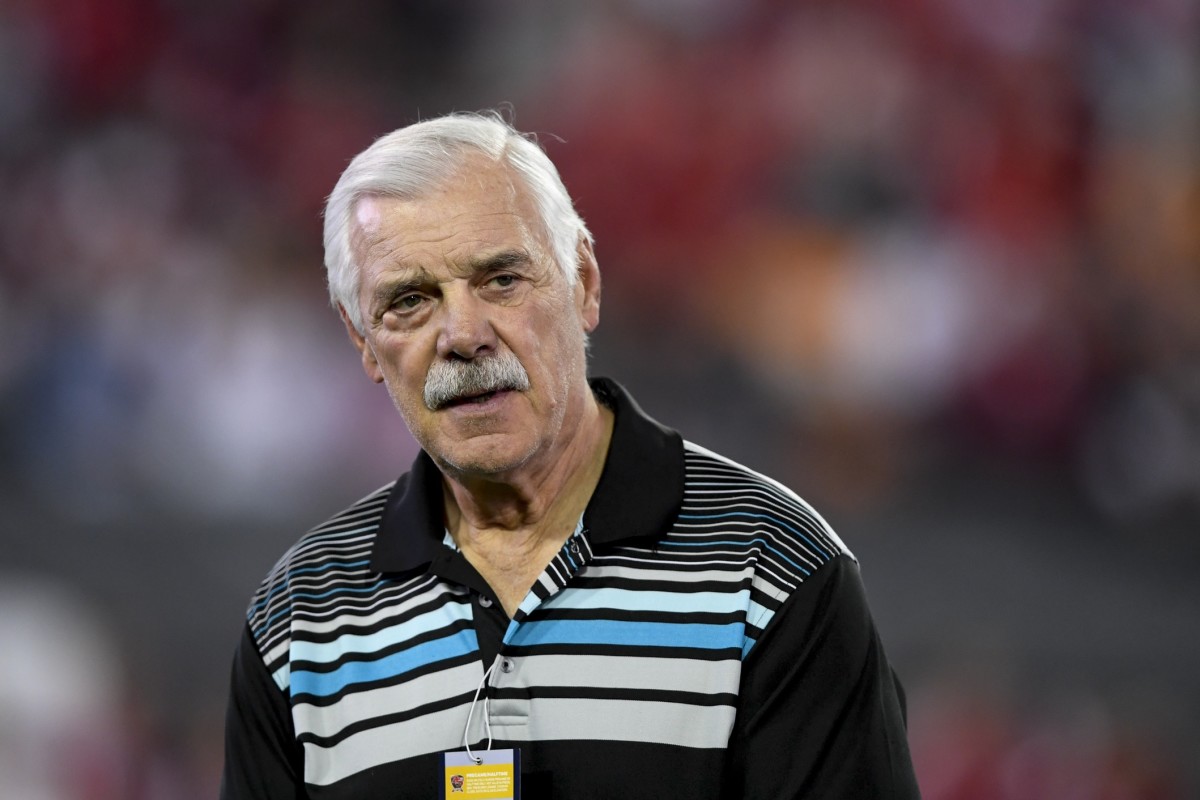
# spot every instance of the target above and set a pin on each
(466, 330)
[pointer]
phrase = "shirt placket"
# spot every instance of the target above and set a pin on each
(509, 687)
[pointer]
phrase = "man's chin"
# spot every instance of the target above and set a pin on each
(480, 460)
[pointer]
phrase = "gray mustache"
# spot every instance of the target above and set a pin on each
(448, 381)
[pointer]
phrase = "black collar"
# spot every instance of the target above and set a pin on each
(639, 493)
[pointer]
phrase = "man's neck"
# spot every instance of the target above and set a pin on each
(509, 528)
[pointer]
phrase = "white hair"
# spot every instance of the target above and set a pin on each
(410, 162)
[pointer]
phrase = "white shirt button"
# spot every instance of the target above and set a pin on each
(485, 601)
(506, 665)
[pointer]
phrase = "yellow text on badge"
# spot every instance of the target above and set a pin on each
(480, 782)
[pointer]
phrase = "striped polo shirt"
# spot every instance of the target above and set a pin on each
(621, 673)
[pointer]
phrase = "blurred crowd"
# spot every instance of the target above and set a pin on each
(927, 233)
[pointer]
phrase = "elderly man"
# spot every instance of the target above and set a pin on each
(562, 598)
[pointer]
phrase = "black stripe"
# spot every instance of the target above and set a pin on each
(636, 651)
(351, 628)
(602, 693)
(386, 719)
(624, 615)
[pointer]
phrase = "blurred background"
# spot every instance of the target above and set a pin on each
(933, 263)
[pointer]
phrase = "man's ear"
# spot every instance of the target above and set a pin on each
(587, 285)
(369, 362)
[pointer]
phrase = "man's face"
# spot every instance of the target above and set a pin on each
(461, 276)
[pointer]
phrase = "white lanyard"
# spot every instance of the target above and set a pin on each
(487, 715)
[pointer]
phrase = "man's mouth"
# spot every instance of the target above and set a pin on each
(474, 399)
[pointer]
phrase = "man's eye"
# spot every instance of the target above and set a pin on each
(504, 281)
(408, 302)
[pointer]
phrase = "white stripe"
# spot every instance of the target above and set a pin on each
(431, 733)
(374, 703)
(389, 610)
(277, 652)
(767, 568)
(331, 578)
(658, 575)
(769, 589)
(632, 558)
(282, 677)
(622, 672)
(649, 601)
(334, 541)
(547, 719)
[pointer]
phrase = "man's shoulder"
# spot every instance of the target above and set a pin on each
(341, 544)
(349, 530)
(725, 497)
(364, 513)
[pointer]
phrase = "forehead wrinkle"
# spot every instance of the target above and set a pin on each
(393, 235)
(479, 239)
(388, 249)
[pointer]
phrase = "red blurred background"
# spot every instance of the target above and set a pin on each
(934, 263)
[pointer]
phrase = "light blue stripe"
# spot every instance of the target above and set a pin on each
(770, 517)
(323, 684)
(630, 600)
(327, 652)
(616, 632)
(261, 629)
(747, 645)
(742, 544)
(758, 615)
(530, 602)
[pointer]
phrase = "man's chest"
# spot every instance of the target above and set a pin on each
(598, 664)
